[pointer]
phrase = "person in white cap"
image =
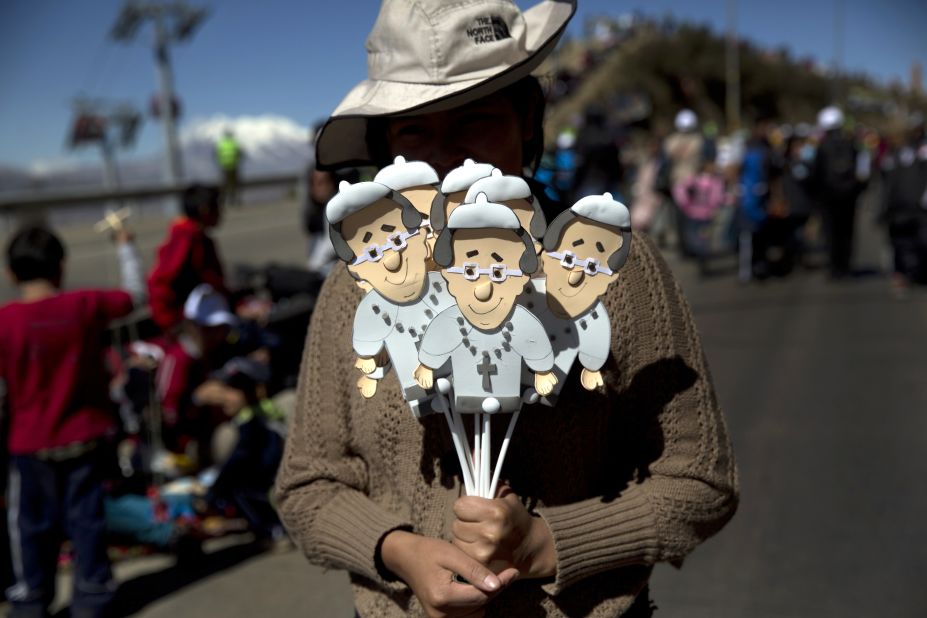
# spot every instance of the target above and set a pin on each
(487, 259)
(417, 182)
(514, 192)
(685, 151)
(184, 363)
(685, 147)
(377, 232)
(207, 307)
(584, 249)
(838, 186)
(366, 488)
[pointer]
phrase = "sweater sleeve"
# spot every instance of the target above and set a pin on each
(322, 485)
(691, 490)
(130, 272)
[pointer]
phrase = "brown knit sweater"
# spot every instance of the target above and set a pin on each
(638, 474)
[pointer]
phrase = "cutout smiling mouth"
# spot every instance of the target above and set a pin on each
(499, 302)
(413, 287)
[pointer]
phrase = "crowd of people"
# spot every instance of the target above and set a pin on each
(778, 197)
(194, 448)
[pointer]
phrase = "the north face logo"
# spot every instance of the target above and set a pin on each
(488, 29)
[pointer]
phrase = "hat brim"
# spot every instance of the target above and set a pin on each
(342, 141)
(219, 318)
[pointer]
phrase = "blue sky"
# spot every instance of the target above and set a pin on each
(297, 59)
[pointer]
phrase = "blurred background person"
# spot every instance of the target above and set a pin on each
(58, 414)
(649, 210)
(187, 257)
(905, 207)
(837, 188)
(700, 198)
(323, 185)
(684, 150)
(247, 448)
(599, 167)
(198, 348)
(229, 156)
(797, 189)
(753, 206)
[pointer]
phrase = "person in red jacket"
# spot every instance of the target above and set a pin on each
(187, 258)
(58, 412)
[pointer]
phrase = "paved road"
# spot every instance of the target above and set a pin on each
(825, 394)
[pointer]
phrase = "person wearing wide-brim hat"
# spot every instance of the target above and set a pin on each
(366, 488)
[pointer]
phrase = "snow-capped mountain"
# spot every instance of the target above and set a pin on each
(272, 145)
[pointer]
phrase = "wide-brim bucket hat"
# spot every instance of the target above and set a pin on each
(430, 55)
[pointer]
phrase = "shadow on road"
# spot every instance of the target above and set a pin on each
(133, 595)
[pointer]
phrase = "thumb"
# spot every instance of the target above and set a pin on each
(474, 572)
(508, 576)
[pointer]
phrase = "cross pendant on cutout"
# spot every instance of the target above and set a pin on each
(486, 369)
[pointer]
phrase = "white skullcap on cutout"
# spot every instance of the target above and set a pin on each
(402, 174)
(460, 178)
(352, 198)
(604, 209)
(483, 214)
(499, 188)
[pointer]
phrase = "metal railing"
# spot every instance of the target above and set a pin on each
(16, 203)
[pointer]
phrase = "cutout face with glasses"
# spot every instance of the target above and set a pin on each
(389, 257)
(485, 278)
(577, 269)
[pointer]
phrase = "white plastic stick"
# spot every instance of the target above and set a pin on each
(477, 466)
(459, 447)
(458, 421)
(486, 457)
(462, 432)
(502, 451)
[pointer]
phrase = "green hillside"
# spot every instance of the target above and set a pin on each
(684, 66)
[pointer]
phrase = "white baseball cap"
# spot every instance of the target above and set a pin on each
(431, 55)
(207, 307)
(830, 118)
(686, 120)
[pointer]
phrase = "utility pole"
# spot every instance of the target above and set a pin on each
(839, 13)
(166, 103)
(732, 70)
(172, 21)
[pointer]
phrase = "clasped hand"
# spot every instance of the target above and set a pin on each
(430, 567)
(502, 534)
(495, 542)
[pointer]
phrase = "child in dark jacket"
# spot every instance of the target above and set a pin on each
(247, 473)
(58, 412)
